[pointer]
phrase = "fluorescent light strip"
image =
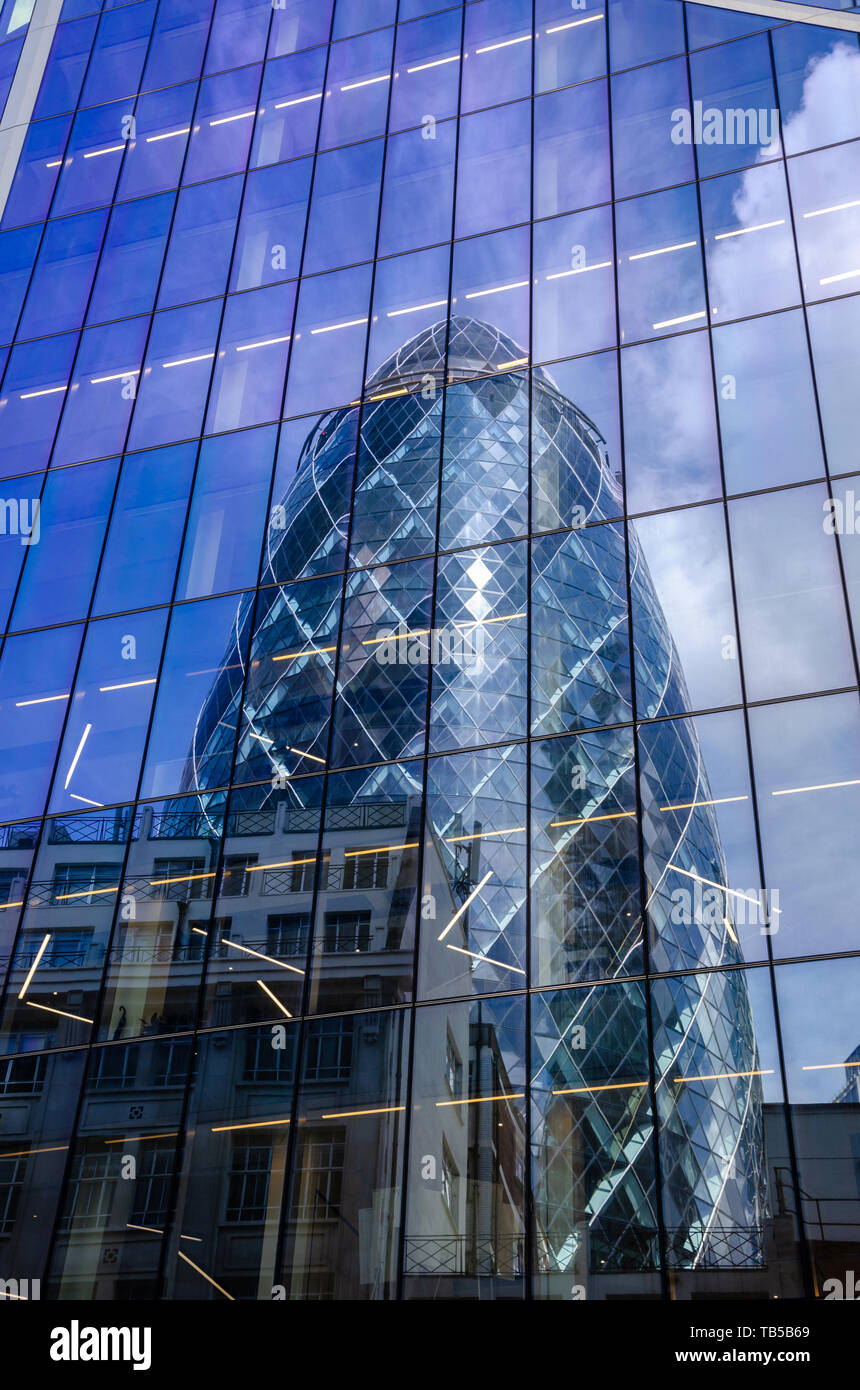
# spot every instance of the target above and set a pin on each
(845, 275)
(742, 231)
(200, 931)
(116, 376)
(274, 999)
(724, 1075)
(717, 801)
(378, 849)
(48, 391)
(25, 1153)
(168, 135)
(484, 835)
(261, 737)
(498, 289)
(436, 63)
(333, 327)
(186, 878)
(504, 43)
(62, 1013)
(137, 1138)
(153, 1230)
(821, 787)
(586, 820)
(414, 308)
(242, 116)
(366, 82)
(573, 24)
(837, 207)
(127, 685)
(662, 251)
(386, 395)
(4, 906)
(352, 1114)
(709, 882)
(31, 972)
(474, 893)
(684, 318)
(486, 960)
(42, 700)
(86, 893)
(281, 864)
(184, 361)
(309, 651)
(313, 757)
(87, 800)
(109, 149)
(204, 1275)
(514, 362)
(580, 270)
(80, 748)
(259, 956)
(264, 342)
(481, 1100)
(297, 101)
(829, 1066)
(248, 1124)
(610, 1086)
(53, 164)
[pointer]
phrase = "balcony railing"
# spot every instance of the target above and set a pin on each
(502, 1256)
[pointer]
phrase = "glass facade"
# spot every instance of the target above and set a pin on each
(429, 567)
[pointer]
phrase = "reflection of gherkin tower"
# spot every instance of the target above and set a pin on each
(596, 1155)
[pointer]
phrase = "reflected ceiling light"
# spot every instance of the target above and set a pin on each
(379, 849)
(313, 757)
(503, 43)
(436, 63)
(845, 275)
(80, 748)
(186, 878)
(4, 906)
(153, 1230)
(498, 289)
(260, 737)
(480, 1100)
(309, 651)
(25, 1153)
(573, 23)
(662, 250)
(580, 270)
(127, 685)
(684, 318)
(608, 1086)
(205, 1276)
(200, 931)
(724, 1075)
(365, 82)
(486, 960)
(275, 1000)
(53, 164)
(87, 800)
(297, 101)
(514, 362)
(484, 835)
(117, 376)
(109, 149)
(717, 801)
(829, 1066)
(742, 231)
(31, 972)
(586, 820)
(42, 700)
(184, 361)
(821, 787)
(62, 1013)
(259, 955)
(333, 327)
(351, 1114)
(86, 893)
(249, 1124)
(732, 892)
(460, 910)
(48, 391)
(282, 864)
(242, 116)
(485, 622)
(264, 342)
(837, 207)
(168, 135)
(414, 308)
(387, 395)
(136, 1138)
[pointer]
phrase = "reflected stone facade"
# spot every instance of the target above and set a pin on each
(457, 396)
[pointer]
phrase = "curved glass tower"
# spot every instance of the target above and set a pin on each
(454, 670)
